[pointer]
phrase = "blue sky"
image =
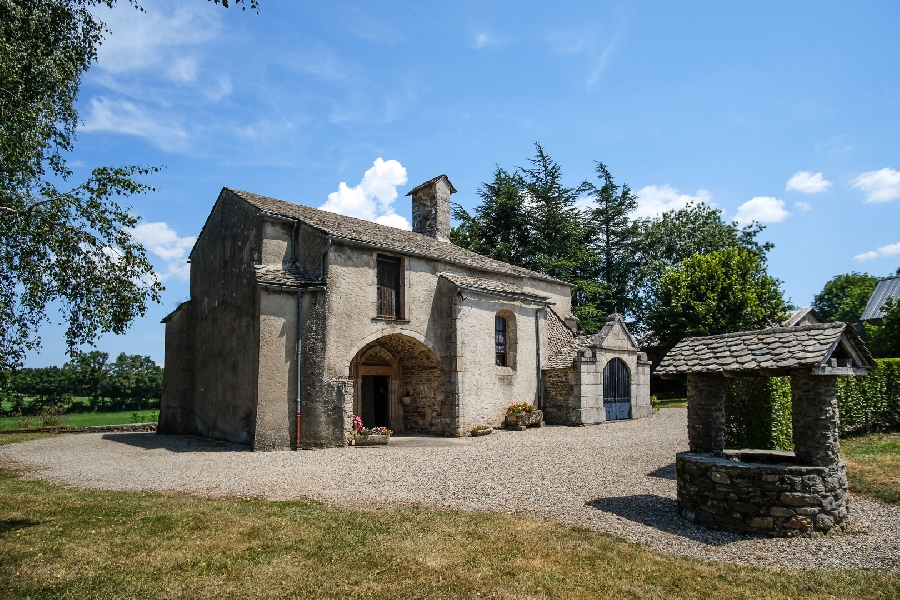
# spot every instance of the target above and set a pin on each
(784, 112)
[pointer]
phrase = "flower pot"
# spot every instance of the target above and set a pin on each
(481, 432)
(519, 421)
(371, 440)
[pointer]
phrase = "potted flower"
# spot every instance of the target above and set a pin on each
(369, 436)
(522, 415)
(480, 430)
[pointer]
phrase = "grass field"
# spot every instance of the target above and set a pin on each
(87, 419)
(60, 543)
(673, 403)
(873, 465)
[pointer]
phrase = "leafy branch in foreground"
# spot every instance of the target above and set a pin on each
(73, 249)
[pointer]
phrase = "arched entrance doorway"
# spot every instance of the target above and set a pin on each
(617, 390)
(399, 383)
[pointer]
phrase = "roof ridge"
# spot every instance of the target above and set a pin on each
(384, 233)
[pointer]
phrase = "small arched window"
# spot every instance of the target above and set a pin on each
(500, 340)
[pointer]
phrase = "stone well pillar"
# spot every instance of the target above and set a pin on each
(706, 412)
(815, 419)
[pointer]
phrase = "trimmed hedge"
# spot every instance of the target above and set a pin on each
(872, 402)
(758, 409)
(758, 413)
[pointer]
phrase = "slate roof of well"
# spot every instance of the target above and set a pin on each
(570, 351)
(488, 286)
(391, 238)
(777, 348)
(291, 276)
(886, 288)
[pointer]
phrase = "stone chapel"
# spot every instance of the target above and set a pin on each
(300, 318)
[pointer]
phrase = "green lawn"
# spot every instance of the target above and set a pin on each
(87, 419)
(673, 403)
(63, 543)
(873, 465)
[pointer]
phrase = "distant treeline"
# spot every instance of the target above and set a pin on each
(131, 382)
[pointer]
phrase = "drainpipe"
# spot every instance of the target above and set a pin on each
(294, 243)
(537, 347)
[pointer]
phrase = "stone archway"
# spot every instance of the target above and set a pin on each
(416, 381)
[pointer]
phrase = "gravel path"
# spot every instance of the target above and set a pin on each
(618, 477)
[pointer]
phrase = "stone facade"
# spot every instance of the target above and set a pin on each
(772, 499)
(282, 329)
(574, 377)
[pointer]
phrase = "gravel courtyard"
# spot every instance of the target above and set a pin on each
(618, 477)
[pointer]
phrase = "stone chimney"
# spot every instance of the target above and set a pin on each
(431, 207)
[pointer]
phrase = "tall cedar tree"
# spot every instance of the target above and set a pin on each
(528, 218)
(62, 245)
(613, 237)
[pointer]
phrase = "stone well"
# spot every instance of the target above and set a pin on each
(758, 491)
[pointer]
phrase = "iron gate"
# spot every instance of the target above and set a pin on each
(616, 390)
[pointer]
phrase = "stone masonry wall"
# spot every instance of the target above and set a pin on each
(558, 390)
(706, 413)
(814, 418)
(780, 500)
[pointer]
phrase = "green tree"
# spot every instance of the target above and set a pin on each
(884, 340)
(89, 372)
(528, 218)
(60, 244)
(614, 238)
(133, 380)
(844, 297)
(720, 292)
(677, 235)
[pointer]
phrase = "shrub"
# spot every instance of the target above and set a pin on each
(758, 413)
(871, 402)
(51, 415)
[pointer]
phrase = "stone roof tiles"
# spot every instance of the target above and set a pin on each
(489, 286)
(291, 276)
(382, 236)
(774, 349)
(565, 356)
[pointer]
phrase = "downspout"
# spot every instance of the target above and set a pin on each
(538, 400)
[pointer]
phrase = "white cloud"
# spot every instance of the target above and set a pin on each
(654, 200)
(183, 68)
(803, 206)
(164, 242)
(807, 182)
(220, 90)
(884, 251)
(484, 38)
(764, 209)
(140, 40)
(879, 186)
(372, 199)
(124, 117)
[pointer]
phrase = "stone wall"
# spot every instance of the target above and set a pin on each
(559, 387)
(770, 499)
(706, 413)
(815, 418)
